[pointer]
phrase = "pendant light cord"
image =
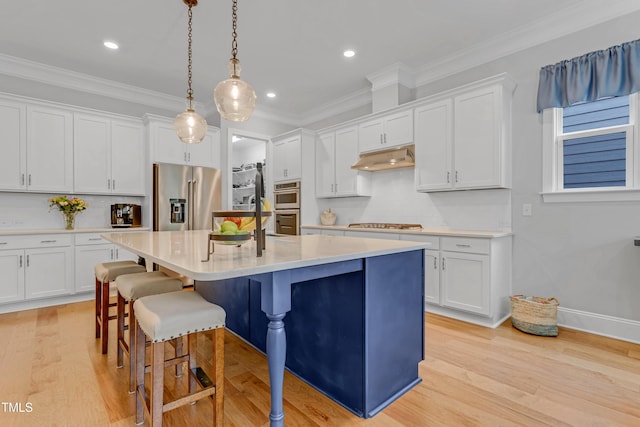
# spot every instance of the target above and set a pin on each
(234, 33)
(189, 90)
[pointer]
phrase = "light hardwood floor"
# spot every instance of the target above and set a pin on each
(472, 376)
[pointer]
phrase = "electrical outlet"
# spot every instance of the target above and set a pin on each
(526, 209)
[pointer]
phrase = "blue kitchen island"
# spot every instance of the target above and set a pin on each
(352, 307)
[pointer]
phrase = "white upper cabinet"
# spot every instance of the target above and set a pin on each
(287, 158)
(463, 140)
(387, 131)
(336, 151)
(13, 134)
(108, 155)
(167, 147)
(49, 149)
(434, 142)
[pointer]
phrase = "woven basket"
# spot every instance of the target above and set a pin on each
(535, 315)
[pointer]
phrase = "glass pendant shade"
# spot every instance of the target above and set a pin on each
(190, 126)
(235, 98)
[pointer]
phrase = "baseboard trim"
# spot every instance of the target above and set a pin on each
(599, 324)
(476, 319)
(47, 302)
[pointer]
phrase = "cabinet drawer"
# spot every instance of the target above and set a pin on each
(89, 239)
(466, 244)
(39, 241)
(433, 240)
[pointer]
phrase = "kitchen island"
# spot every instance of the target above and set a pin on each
(354, 307)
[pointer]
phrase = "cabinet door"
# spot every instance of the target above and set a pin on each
(86, 259)
(279, 161)
(293, 168)
(48, 272)
(120, 254)
(91, 154)
(398, 129)
(466, 282)
(346, 154)
(433, 139)
(207, 152)
(325, 163)
(49, 149)
(477, 140)
(13, 134)
(432, 277)
(167, 146)
(370, 136)
(127, 158)
(12, 284)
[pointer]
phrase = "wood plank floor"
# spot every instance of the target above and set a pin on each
(472, 376)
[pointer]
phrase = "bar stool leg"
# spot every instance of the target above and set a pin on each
(217, 359)
(120, 328)
(98, 306)
(104, 316)
(139, 372)
(192, 342)
(157, 383)
(132, 349)
(179, 352)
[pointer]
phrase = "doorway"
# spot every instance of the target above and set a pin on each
(246, 151)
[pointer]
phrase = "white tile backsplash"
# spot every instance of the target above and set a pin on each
(31, 211)
(394, 199)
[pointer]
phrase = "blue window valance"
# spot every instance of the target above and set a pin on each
(610, 72)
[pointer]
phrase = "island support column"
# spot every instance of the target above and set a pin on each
(275, 301)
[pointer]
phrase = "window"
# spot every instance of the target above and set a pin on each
(590, 151)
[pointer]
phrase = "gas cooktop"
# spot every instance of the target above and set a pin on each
(386, 225)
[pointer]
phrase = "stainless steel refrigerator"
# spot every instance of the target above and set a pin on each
(184, 197)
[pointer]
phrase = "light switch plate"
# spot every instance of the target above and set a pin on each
(526, 209)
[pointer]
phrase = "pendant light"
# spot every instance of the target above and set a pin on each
(189, 125)
(235, 99)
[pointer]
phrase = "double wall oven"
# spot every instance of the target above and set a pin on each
(286, 197)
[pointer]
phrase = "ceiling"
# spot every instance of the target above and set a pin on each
(293, 48)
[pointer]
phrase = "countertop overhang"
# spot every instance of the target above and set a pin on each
(32, 231)
(183, 252)
(447, 232)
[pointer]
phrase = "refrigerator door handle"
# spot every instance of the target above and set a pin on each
(194, 207)
(189, 203)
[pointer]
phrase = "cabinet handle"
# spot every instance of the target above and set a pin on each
(29, 180)
(3, 243)
(460, 245)
(189, 157)
(95, 239)
(113, 182)
(108, 184)
(457, 180)
(48, 241)
(332, 188)
(117, 254)
(185, 156)
(435, 263)
(22, 179)
(448, 177)
(111, 255)
(336, 188)
(20, 261)
(443, 263)
(385, 138)
(27, 260)
(380, 138)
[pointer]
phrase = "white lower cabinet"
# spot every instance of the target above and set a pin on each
(467, 278)
(326, 231)
(35, 267)
(91, 249)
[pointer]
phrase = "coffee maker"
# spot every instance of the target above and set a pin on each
(125, 215)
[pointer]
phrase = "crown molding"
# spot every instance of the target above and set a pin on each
(55, 76)
(584, 14)
(394, 74)
(341, 105)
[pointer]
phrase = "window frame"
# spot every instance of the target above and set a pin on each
(553, 166)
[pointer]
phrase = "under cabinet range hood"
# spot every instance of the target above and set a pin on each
(395, 158)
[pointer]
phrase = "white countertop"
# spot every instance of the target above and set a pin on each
(182, 251)
(450, 232)
(29, 232)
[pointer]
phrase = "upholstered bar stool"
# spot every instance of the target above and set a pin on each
(167, 316)
(107, 272)
(130, 288)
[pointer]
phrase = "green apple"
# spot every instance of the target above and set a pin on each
(242, 232)
(229, 233)
(229, 226)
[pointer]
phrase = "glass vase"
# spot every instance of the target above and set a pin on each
(69, 220)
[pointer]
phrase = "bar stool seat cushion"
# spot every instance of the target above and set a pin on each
(138, 285)
(167, 316)
(109, 271)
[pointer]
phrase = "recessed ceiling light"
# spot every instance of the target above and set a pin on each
(271, 94)
(349, 53)
(111, 45)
